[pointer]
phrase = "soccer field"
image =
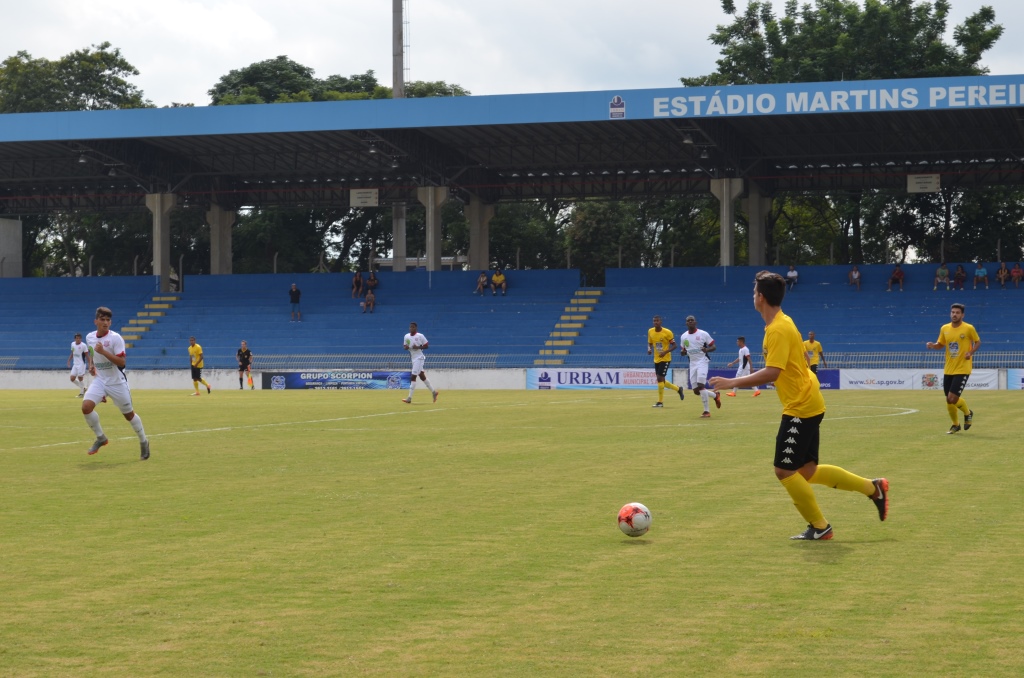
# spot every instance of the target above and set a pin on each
(344, 533)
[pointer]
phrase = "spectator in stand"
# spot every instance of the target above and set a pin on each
(498, 280)
(791, 278)
(357, 285)
(941, 276)
(1003, 274)
(481, 283)
(369, 302)
(1016, 273)
(895, 277)
(959, 277)
(854, 277)
(980, 275)
(372, 282)
(294, 294)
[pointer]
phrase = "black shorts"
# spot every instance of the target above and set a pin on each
(797, 441)
(243, 367)
(197, 373)
(661, 369)
(814, 368)
(954, 383)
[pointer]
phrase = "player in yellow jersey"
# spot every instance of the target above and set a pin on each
(803, 408)
(961, 342)
(195, 356)
(661, 343)
(815, 353)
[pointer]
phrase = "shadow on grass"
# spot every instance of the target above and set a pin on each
(105, 464)
(636, 542)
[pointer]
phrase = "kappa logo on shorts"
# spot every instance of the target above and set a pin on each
(793, 430)
(791, 440)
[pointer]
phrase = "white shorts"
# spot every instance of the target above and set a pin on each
(698, 375)
(78, 371)
(743, 371)
(116, 390)
(417, 364)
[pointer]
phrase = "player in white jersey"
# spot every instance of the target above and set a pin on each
(415, 343)
(106, 363)
(743, 365)
(697, 344)
(78, 362)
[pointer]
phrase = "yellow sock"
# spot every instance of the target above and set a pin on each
(953, 413)
(669, 384)
(841, 479)
(195, 385)
(803, 498)
(962, 406)
(661, 391)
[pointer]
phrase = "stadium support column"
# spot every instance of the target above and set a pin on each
(220, 221)
(398, 252)
(10, 248)
(160, 204)
(480, 215)
(727, 190)
(758, 207)
(432, 198)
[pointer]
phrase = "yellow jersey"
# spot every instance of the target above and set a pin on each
(957, 340)
(814, 349)
(196, 353)
(796, 385)
(661, 341)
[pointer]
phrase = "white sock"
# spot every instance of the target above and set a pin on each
(136, 423)
(93, 420)
(704, 398)
(81, 385)
(427, 382)
(412, 387)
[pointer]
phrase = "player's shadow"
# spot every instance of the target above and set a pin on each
(104, 465)
(636, 542)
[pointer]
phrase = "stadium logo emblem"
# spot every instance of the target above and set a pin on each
(277, 382)
(929, 381)
(617, 108)
(394, 381)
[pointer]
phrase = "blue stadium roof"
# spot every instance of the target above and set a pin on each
(805, 136)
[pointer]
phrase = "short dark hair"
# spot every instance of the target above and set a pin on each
(959, 306)
(771, 286)
(743, 339)
(78, 334)
(104, 312)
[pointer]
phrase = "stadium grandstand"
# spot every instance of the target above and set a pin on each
(546, 319)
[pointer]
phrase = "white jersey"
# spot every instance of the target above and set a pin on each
(692, 343)
(415, 345)
(113, 343)
(744, 356)
(78, 352)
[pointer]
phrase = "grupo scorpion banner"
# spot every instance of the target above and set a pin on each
(333, 380)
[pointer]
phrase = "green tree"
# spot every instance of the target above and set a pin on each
(282, 80)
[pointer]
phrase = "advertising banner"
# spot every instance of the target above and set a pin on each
(1015, 380)
(332, 380)
(829, 379)
(912, 380)
(545, 379)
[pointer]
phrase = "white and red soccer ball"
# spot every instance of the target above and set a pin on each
(634, 519)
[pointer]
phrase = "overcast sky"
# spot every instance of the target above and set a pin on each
(182, 47)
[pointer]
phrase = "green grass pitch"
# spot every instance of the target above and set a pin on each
(312, 533)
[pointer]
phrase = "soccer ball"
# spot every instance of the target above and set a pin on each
(634, 519)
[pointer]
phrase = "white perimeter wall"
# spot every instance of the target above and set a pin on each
(228, 379)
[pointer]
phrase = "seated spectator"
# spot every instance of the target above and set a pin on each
(369, 302)
(854, 277)
(481, 283)
(372, 282)
(1016, 273)
(959, 277)
(895, 277)
(980, 275)
(791, 278)
(1003, 274)
(498, 280)
(941, 276)
(357, 285)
